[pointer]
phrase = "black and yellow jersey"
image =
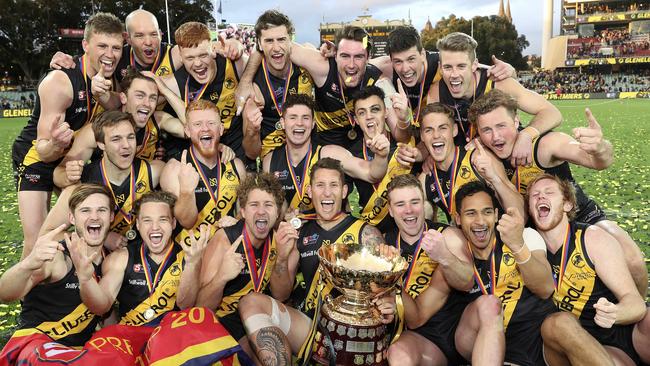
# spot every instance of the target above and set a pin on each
(221, 91)
(136, 184)
(56, 309)
(420, 267)
(334, 107)
(163, 65)
(274, 90)
(499, 276)
(438, 182)
(263, 258)
(149, 289)
(373, 198)
(461, 106)
(220, 182)
(310, 239)
(148, 140)
(80, 111)
(280, 168)
(417, 94)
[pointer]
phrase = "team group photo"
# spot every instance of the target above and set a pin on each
(182, 189)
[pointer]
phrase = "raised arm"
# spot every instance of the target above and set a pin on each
(286, 264)
(53, 133)
(221, 264)
(181, 179)
(311, 59)
(370, 171)
(189, 285)
(68, 172)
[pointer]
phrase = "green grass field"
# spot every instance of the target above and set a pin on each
(623, 190)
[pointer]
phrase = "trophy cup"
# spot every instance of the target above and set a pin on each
(352, 325)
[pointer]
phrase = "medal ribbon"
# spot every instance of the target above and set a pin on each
(375, 186)
(204, 178)
(313, 216)
(409, 270)
(565, 257)
(300, 188)
(153, 282)
(460, 118)
(453, 169)
(90, 112)
(154, 66)
(477, 277)
(267, 78)
(257, 278)
(419, 106)
(147, 134)
(132, 186)
(187, 92)
(345, 104)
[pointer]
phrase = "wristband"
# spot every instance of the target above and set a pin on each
(524, 261)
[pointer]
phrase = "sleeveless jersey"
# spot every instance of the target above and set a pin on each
(135, 300)
(81, 110)
(580, 287)
(225, 191)
(420, 270)
(373, 198)
(310, 239)
(221, 91)
(518, 303)
(122, 193)
(279, 167)
(56, 309)
(523, 175)
(243, 283)
(332, 113)
(300, 82)
(162, 66)
(148, 140)
(417, 94)
(463, 172)
(461, 106)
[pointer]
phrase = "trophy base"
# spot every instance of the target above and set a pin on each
(354, 344)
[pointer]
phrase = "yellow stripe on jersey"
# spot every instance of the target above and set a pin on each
(305, 204)
(73, 323)
(226, 100)
(509, 285)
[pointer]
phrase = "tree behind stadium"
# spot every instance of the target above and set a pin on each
(495, 36)
(29, 32)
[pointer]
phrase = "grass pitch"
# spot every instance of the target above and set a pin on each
(623, 190)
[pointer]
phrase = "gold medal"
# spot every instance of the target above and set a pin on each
(130, 235)
(296, 223)
(352, 134)
(149, 313)
(278, 125)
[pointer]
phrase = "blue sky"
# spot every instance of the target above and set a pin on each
(308, 14)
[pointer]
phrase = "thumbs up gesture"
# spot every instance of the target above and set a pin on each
(590, 138)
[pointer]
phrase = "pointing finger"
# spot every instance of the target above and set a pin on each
(593, 124)
(400, 87)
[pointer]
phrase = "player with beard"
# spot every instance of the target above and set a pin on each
(462, 83)
(126, 176)
(48, 283)
(272, 83)
(153, 276)
(593, 288)
(206, 76)
(64, 104)
(454, 166)
(292, 163)
(275, 330)
(495, 117)
(512, 284)
(438, 258)
(204, 184)
(225, 276)
(370, 112)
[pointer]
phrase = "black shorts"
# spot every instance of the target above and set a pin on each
(618, 336)
(31, 175)
(441, 331)
(524, 343)
(233, 324)
(590, 213)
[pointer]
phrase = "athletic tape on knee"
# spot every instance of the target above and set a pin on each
(277, 318)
